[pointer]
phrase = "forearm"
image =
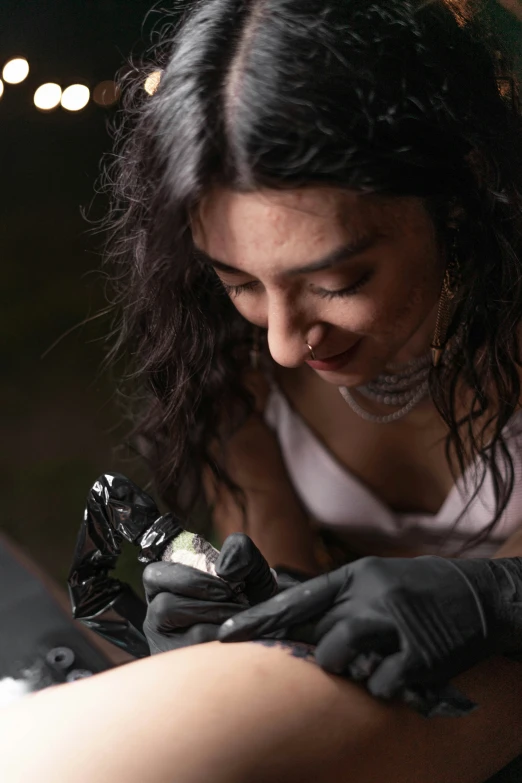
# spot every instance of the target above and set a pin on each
(231, 713)
(275, 519)
(281, 530)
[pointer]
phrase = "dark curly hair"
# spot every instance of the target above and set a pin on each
(402, 97)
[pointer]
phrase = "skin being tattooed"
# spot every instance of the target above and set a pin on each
(296, 649)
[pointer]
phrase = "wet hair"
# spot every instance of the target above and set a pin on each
(398, 97)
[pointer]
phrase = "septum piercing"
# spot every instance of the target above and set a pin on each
(312, 354)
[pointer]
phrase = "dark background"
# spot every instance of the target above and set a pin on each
(59, 421)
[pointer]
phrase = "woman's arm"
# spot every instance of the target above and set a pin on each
(256, 713)
(277, 522)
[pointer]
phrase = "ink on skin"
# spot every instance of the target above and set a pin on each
(296, 649)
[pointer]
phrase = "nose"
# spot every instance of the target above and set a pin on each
(287, 330)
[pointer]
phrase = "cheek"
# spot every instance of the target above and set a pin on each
(407, 306)
(399, 315)
(390, 310)
(251, 307)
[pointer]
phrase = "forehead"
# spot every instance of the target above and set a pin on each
(276, 208)
(280, 227)
(287, 228)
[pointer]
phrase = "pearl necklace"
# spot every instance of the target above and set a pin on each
(419, 395)
(405, 385)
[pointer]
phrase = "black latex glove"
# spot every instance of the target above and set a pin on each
(405, 626)
(187, 606)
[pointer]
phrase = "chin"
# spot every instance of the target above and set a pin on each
(355, 373)
(343, 378)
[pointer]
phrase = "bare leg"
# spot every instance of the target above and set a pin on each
(247, 712)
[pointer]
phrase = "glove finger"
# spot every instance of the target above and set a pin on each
(286, 580)
(201, 633)
(298, 604)
(367, 627)
(302, 632)
(241, 561)
(360, 617)
(364, 665)
(176, 640)
(184, 580)
(291, 576)
(389, 678)
(167, 612)
(352, 636)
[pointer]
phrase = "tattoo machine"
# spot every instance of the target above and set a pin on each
(118, 509)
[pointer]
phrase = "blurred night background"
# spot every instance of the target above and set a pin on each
(59, 420)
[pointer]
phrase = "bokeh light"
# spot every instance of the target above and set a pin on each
(106, 93)
(152, 82)
(15, 71)
(1, 88)
(75, 97)
(48, 96)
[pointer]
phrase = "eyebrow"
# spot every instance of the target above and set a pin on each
(332, 259)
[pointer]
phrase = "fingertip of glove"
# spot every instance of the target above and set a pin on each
(228, 631)
(239, 558)
(386, 691)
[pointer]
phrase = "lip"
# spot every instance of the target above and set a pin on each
(334, 362)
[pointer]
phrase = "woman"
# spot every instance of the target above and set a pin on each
(336, 209)
(338, 205)
(309, 201)
(319, 200)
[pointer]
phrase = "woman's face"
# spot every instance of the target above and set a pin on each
(344, 272)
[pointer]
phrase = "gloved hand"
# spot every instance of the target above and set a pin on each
(405, 626)
(187, 606)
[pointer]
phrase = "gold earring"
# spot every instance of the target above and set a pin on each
(447, 295)
(312, 354)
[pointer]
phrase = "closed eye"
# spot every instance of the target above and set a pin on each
(236, 290)
(349, 291)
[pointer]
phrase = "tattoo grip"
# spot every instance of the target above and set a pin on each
(118, 509)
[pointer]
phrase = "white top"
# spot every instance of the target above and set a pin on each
(337, 499)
